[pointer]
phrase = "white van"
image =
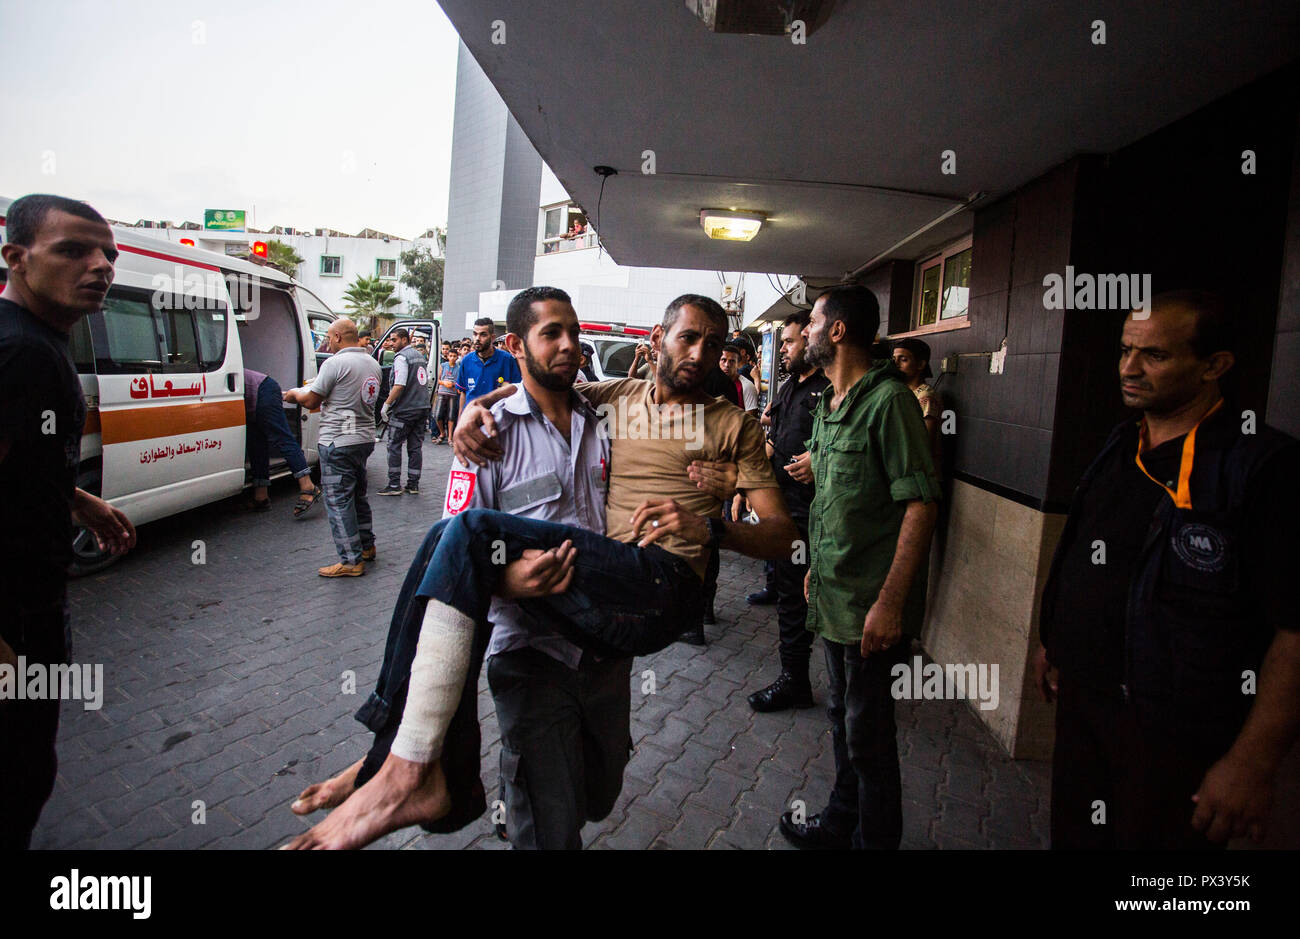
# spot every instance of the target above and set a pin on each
(161, 367)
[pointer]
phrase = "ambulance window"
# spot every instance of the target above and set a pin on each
(181, 344)
(131, 334)
(212, 337)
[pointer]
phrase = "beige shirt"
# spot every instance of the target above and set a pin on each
(652, 446)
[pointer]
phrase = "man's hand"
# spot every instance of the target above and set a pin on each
(475, 446)
(739, 508)
(539, 573)
(800, 469)
(112, 529)
(807, 579)
(882, 628)
(717, 479)
(1045, 678)
(665, 517)
(1233, 801)
(7, 655)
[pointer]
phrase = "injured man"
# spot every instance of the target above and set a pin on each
(631, 593)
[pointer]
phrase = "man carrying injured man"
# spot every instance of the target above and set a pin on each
(627, 594)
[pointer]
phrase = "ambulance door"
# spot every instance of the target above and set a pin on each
(170, 396)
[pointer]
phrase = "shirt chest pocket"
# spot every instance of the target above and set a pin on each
(530, 493)
(845, 459)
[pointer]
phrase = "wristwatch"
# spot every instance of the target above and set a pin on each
(717, 529)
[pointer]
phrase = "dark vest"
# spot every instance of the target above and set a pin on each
(1192, 625)
(415, 394)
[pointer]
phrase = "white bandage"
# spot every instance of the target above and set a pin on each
(438, 676)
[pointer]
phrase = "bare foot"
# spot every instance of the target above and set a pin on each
(327, 794)
(402, 793)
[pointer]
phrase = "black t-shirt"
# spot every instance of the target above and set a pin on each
(791, 414)
(41, 415)
(1117, 510)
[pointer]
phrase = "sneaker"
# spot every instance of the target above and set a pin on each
(369, 554)
(391, 490)
(343, 570)
(412, 489)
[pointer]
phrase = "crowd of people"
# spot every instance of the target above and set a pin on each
(581, 522)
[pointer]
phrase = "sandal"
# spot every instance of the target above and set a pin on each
(260, 505)
(305, 501)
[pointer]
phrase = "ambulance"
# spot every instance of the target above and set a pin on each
(161, 366)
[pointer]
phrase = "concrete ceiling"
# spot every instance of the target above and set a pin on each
(839, 141)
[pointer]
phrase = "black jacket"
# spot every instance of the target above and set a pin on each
(1195, 619)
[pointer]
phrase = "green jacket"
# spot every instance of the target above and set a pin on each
(870, 457)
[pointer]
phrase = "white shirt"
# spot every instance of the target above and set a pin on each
(749, 394)
(541, 476)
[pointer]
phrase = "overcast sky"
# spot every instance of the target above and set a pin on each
(319, 113)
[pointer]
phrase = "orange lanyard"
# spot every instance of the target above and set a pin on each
(1183, 496)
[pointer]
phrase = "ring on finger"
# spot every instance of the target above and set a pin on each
(655, 523)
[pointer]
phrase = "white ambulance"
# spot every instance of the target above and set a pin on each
(161, 366)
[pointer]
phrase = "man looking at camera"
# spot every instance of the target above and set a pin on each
(60, 255)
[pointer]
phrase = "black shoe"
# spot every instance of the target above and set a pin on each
(391, 491)
(412, 489)
(811, 836)
(762, 597)
(782, 694)
(710, 619)
(693, 637)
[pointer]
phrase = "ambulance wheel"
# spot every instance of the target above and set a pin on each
(87, 556)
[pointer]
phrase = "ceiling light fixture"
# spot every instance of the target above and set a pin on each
(726, 225)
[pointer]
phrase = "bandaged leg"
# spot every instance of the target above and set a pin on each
(438, 675)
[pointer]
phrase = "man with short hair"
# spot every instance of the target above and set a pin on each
(791, 425)
(730, 365)
(407, 412)
(629, 593)
(869, 530)
(488, 368)
(60, 255)
(346, 389)
(1179, 656)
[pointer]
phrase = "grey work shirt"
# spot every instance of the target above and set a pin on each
(349, 382)
(541, 476)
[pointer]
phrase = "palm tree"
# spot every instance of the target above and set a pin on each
(282, 257)
(367, 297)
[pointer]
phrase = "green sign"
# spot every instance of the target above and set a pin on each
(223, 219)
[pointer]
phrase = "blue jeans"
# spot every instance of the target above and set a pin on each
(269, 429)
(867, 799)
(624, 601)
(343, 477)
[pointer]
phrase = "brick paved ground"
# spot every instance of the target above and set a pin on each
(224, 685)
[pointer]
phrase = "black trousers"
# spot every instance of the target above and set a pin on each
(866, 802)
(792, 609)
(565, 737)
(28, 728)
(1118, 786)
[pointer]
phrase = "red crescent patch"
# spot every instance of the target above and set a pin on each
(460, 489)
